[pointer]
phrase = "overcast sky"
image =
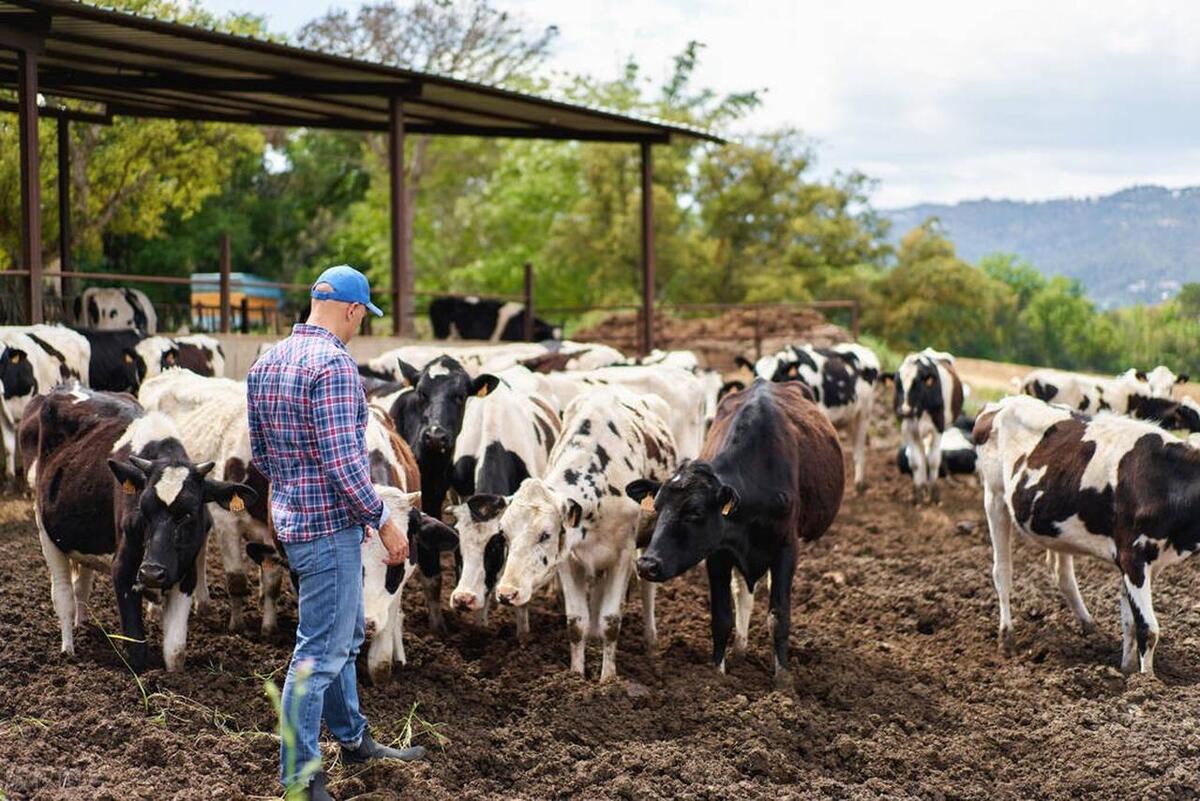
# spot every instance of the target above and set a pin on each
(941, 101)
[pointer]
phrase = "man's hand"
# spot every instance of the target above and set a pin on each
(395, 541)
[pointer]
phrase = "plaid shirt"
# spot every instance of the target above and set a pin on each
(308, 424)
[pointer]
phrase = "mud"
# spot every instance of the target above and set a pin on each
(899, 689)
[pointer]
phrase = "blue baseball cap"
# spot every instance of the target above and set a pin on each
(349, 286)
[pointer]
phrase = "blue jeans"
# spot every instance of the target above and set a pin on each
(328, 637)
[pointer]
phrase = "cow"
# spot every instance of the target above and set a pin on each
(1117, 489)
(475, 360)
(570, 357)
(116, 490)
(928, 398)
(684, 393)
(201, 354)
(116, 309)
(770, 474)
(577, 522)
(428, 416)
(115, 364)
(958, 451)
(480, 318)
(157, 353)
(506, 437)
(842, 381)
(1161, 381)
(1124, 394)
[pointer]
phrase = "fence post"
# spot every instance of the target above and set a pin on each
(225, 270)
(854, 320)
(757, 334)
(245, 304)
(528, 302)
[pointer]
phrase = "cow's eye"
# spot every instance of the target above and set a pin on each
(545, 537)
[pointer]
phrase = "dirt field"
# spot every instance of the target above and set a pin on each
(899, 691)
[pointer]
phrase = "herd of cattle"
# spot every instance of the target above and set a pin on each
(571, 465)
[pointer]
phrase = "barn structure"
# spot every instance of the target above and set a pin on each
(131, 65)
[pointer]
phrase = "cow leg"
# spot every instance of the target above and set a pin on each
(1129, 660)
(431, 580)
(398, 654)
(236, 585)
(1145, 623)
(380, 652)
(9, 432)
(934, 465)
(648, 590)
(859, 435)
(176, 608)
(61, 591)
(201, 597)
(84, 577)
(1064, 571)
(909, 435)
(611, 594)
(129, 608)
(270, 586)
(521, 615)
(1000, 529)
(743, 605)
(782, 572)
(720, 605)
(575, 602)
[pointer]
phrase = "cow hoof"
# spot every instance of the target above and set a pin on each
(1087, 627)
(740, 647)
(236, 623)
(935, 496)
(860, 487)
(784, 680)
(380, 675)
(1008, 644)
(437, 625)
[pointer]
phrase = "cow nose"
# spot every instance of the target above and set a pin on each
(369, 627)
(463, 601)
(152, 575)
(437, 439)
(507, 596)
(649, 568)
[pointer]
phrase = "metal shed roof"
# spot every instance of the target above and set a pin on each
(145, 67)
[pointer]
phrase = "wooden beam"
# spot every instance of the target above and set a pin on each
(56, 113)
(647, 337)
(401, 268)
(226, 268)
(66, 288)
(31, 193)
(24, 31)
(191, 82)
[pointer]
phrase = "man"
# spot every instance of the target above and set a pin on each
(308, 420)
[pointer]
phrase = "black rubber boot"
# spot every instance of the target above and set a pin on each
(316, 790)
(369, 749)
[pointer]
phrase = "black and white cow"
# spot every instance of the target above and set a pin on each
(578, 524)
(115, 364)
(928, 398)
(842, 381)
(958, 451)
(770, 474)
(480, 318)
(429, 416)
(1161, 381)
(506, 438)
(116, 309)
(1121, 490)
(201, 354)
(116, 490)
(476, 360)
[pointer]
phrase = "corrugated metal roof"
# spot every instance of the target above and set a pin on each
(141, 66)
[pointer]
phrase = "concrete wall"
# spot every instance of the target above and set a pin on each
(241, 349)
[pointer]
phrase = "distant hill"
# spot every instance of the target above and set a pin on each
(1138, 245)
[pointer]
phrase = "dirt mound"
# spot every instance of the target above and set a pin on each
(717, 340)
(899, 689)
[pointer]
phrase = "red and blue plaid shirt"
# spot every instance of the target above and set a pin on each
(308, 435)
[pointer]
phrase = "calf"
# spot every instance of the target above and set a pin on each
(116, 490)
(1120, 490)
(770, 474)
(116, 309)
(506, 438)
(578, 522)
(928, 397)
(429, 417)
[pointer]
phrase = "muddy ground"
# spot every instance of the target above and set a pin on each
(899, 690)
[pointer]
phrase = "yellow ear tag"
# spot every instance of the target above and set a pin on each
(727, 508)
(237, 504)
(483, 391)
(128, 488)
(128, 359)
(14, 359)
(648, 504)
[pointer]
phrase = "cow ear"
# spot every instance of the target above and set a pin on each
(742, 361)
(730, 388)
(642, 490)
(889, 378)
(1182, 379)
(728, 499)
(929, 381)
(793, 370)
(128, 356)
(132, 479)
(574, 513)
(1140, 375)
(484, 385)
(486, 507)
(229, 495)
(410, 373)
(436, 535)
(171, 357)
(16, 356)
(204, 468)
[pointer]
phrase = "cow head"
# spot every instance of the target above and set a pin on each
(382, 583)
(430, 416)
(918, 388)
(169, 512)
(16, 374)
(535, 523)
(484, 549)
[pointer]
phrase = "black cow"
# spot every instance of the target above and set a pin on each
(113, 480)
(479, 318)
(429, 417)
(115, 365)
(770, 474)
